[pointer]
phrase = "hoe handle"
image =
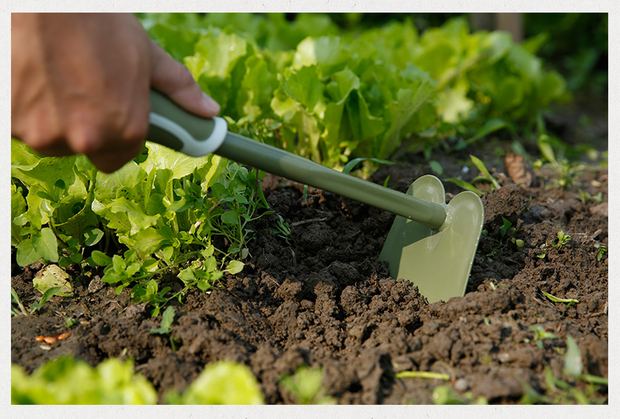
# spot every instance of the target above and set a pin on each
(173, 127)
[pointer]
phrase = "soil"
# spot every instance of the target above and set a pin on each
(320, 297)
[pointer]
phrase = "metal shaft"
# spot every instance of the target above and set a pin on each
(291, 166)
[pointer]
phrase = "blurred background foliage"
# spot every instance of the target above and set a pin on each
(574, 43)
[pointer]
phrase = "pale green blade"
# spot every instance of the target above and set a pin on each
(438, 262)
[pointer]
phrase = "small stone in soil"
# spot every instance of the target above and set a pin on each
(461, 385)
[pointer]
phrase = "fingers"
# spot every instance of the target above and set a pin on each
(109, 149)
(174, 80)
(110, 161)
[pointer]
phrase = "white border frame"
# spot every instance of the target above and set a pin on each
(48, 412)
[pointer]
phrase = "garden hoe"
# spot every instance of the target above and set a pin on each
(431, 243)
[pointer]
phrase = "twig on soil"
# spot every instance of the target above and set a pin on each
(600, 313)
(311, 220)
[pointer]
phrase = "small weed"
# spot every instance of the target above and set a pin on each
(601, 251)
(485, 176)
(465, 185)
(17, 308)
(436, 167)
(423, 374)
(561, 240)
(386, 181)
(506, 227)
(543, 251)
(586, 197)
(70, 322)
(165, 326)
(554, 299)
(445, 394)
(47, 295)
(282, 229)
(507, 230)
(540, 335)
(553, 151)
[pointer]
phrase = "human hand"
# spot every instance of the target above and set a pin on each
(80, 84)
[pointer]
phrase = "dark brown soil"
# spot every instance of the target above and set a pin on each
(320, 298)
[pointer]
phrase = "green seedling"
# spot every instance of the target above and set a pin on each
(553, 151)
(540, 335)
(167, 319)
(386, 181)
(506, 227)
(445, 394)
(546, 149)
(561, 240)
(436, 167)
(543, 251)
(508, 230)
(282, 228)
(585, 197)
(594, 379)
(601, 251)
(47, 295)
(465, 185)
(306, 386)
(485, 176)
(165, 327)
(17, 308)
(70, 322)
(423, 374)
(555, 299)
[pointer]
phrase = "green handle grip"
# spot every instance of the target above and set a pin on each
(175, 128)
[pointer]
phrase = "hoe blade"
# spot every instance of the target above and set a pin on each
(437, 261)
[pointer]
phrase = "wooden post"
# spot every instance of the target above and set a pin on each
(510, 22)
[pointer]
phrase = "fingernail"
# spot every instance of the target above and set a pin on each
(210, 105)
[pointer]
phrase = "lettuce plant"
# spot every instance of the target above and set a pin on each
(168, 214)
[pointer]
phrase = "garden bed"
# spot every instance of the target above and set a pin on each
(319, 297)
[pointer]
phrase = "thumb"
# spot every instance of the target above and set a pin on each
(174, 80)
